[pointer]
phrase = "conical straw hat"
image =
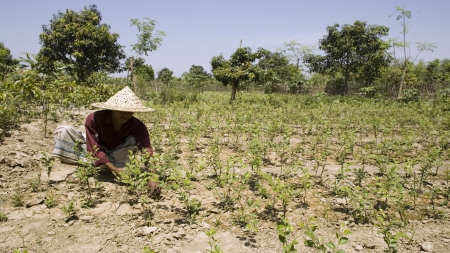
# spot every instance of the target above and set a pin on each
(125, 101)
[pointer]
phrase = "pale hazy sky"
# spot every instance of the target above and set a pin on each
(198, 30)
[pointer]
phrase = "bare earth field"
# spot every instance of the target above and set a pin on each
(116, 224)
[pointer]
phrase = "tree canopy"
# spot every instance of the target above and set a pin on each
(239, 68)
(81, 42)
(197, 76)
(295, 52)
(6, 60)
(145, 72)
(165, 75)
(147, 41)
(355, 50)
(133, 63)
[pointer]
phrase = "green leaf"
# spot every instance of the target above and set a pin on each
(282, 238)
(347, 231)
(330, 245)
(309, 243)
(343, 240)
(310, 234)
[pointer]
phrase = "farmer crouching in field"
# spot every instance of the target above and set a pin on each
(110, 135)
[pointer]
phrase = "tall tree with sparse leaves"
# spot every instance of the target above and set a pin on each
(147, 39)
(81, 42)
(402, 16)
(294, 51)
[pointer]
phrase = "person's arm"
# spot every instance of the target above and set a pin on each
(110, 166)
(91, 141)
(143, 139)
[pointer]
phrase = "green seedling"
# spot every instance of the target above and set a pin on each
(284, 233)
(3, 217)
(69, 210)
(213, 244)
(136, 176)
(319, 244)
(50, 200)
(84, 170)
(17, 198)
(47, 161)
(385, 228)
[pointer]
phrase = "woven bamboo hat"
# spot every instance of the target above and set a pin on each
(125, 101)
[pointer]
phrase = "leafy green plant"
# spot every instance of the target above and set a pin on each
(213, 244)
(47, 161)
(390, 238)
(183, 186)
(50, 200)
(17, 198)
(84, 170)
(3, 217)
(136, 176)
(284, 233)
(35, 183)
(318, 243)
(69, 210)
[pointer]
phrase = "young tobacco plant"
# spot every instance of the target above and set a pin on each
(84, 170)
(213, 244)
(390, 238)
(35, 183)
(69, 210)
(17, 197)
(136, 178)
(318, 243)
(50, 200)
(284, 232)
(183, 186)
(47, 161)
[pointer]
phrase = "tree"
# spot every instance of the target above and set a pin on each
(81, 43)
(278, 70)
(277, 64)
(445, 69)
(239, 68)
(145, 72)
(165, 75)
(354, 50)
(132, 63)
(197, 76)
(295, 52)
(403, 15)
(147, 41)
(7, 62)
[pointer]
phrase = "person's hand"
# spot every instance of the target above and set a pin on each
(154, 188)
(118, 172)
(153, 185)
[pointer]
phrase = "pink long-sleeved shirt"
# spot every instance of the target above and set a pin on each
(100, 134)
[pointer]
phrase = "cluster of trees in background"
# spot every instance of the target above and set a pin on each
(353, 58)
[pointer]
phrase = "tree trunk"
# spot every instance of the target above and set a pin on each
(345, 90)
(233, 92)
(133, 78)
(400, 89)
